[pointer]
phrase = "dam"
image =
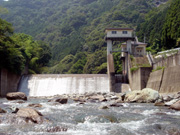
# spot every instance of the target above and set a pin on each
(53, 84)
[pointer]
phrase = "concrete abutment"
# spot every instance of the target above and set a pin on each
(8, 82)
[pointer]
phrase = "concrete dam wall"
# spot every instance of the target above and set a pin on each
(52, 84)
(8, 82)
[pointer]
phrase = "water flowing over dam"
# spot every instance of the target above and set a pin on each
(52, 84)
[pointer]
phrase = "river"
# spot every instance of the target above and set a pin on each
(88, 119)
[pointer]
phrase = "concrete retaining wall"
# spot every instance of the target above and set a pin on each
(111, 72)
(155, 80)
(135, 80)
(8, 82)
(167, 81)
(168, 62)
(171, 80)
(139, 78)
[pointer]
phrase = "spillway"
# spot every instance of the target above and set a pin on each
(53, 84)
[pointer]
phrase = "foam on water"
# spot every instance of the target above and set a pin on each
(88, 128)
(49, 107)
(150, 112)
(126, 104)
(134, 125)
(173, 113)
(3, 125)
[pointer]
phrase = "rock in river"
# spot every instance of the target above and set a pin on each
(176, 105)
(59, 100)
(30, 115)
(98, 97)
(16, 96)
(146, 95)
(2, 111)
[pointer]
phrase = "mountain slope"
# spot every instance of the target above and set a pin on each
(161, 27)
(75, 27)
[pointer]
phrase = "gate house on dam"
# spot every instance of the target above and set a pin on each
(131, 46)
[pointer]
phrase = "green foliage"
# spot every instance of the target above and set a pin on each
(132, 57)
(171, 28)
(36, 54)
(63, 66)
(10, 55)
(178, 42)
(79, 62)
(102, 69)
(18, 51)
(117, 63)
(74, 26)
(134, 69)
(44, 54)
(161, 27)
(74, 30)
(3, 10)
(94, 61)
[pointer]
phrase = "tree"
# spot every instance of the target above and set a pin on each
(10, 55)
(171, 28)
(36, 54)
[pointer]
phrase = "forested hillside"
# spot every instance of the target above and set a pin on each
(19, 51)
(162, 27)
(75, 29)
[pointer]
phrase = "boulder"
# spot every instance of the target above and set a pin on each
(98, 97)
(59, 100)
(2, 111)
(171, 102)
(146, 95)
(176, 96)
(62, 100)
(103, 107)
(176, 105)
(30, 115)
(16, 96)
(167, 98)
(114, 97)
(132, 96)
(159, 104)
(119, 101)
(79, 100)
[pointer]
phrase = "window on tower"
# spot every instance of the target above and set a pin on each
(124, 32)
(114, 32)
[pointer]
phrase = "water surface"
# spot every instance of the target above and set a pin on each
(88, 119)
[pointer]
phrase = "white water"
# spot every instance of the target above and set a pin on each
(49, 85)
